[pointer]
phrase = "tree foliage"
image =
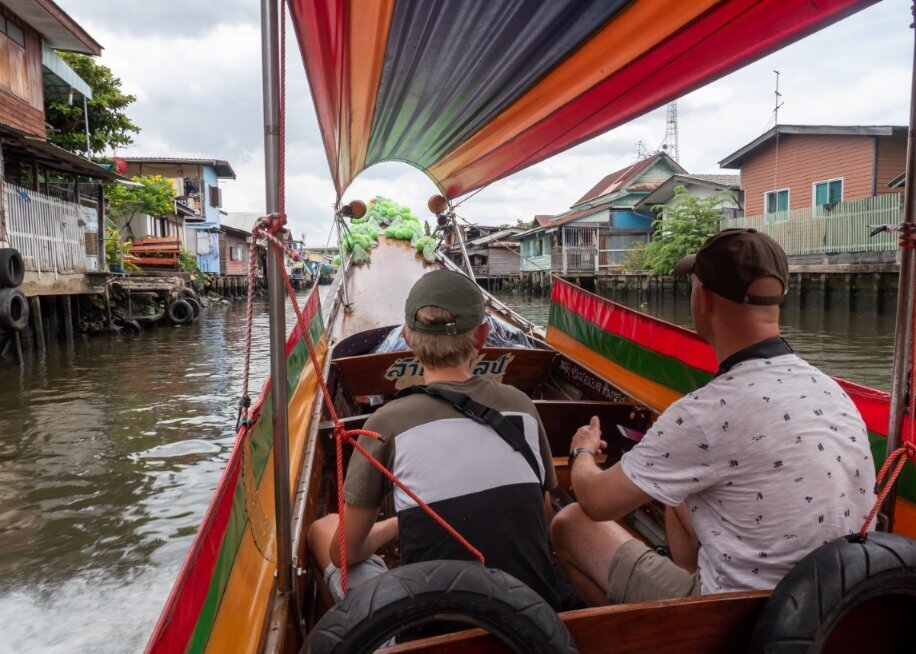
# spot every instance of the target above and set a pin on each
(636, 259)
(680, 229)
(153, 196)
(109, 125)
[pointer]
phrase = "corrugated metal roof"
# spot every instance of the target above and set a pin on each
(736, 158)
(222, 167)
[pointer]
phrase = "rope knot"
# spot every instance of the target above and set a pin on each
(886, 477)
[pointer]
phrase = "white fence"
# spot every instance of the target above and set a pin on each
(845, 227)
(45, 230)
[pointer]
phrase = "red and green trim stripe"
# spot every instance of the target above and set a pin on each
(678, 359)
(192, 607)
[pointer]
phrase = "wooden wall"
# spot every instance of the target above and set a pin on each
(806, 159)
(226, 265)
(891, 161)
(503, 262)
(21, 72)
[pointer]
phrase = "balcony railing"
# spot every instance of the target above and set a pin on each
(842, 228)
(45, 230)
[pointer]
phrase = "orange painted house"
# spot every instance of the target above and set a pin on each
(798, 166)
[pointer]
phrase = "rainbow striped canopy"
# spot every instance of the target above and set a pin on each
(470, 91)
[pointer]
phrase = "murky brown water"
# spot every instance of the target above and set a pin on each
(109, 455)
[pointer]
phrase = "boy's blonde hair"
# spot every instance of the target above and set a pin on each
(440, 350)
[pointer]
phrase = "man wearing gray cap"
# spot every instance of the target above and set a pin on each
(471, 448)
(763, 464)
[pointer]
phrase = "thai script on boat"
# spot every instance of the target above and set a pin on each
(408, 371)
(589, 382)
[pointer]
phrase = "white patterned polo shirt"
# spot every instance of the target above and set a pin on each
(772, 459)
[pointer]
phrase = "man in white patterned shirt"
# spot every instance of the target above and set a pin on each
(763, 464)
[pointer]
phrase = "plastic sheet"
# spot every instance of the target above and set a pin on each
(502, 334)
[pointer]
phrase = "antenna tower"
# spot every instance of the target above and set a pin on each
(642, 152)
(670, 142)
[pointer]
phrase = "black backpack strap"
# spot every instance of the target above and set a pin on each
(484, 415)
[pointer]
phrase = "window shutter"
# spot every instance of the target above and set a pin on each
(216, 197)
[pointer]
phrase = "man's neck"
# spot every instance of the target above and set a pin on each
(458, 373)
(728, 346)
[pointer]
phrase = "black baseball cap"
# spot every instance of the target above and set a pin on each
(733, 259)
(448, 290)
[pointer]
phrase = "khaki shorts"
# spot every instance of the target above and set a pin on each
(638, 574)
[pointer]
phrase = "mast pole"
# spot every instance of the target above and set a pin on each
(270, 58)
(903, 339)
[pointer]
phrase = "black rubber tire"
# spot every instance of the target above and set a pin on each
(14, 310)
(12, 269)
(131, 326)
(456, 591)
(190, 292)
(826, 585)
(195, 305)
(180, 312)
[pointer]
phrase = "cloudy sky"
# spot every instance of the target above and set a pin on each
(195, 69)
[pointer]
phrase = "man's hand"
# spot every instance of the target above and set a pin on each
(588, 436)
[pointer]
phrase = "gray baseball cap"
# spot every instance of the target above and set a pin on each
(448, 290)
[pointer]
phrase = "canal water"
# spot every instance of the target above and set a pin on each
(109, 454)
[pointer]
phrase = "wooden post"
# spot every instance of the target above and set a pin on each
(68, 319)
(78, 313)
(53, 323)
(17, 348)
(100, 212)
(37, 323)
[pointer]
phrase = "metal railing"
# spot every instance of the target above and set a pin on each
(844, 227)
(45, 230)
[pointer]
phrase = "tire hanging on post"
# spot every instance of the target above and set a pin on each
(180, 312)
(12, 268)
(14, 310)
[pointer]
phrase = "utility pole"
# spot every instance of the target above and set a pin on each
(670, 142)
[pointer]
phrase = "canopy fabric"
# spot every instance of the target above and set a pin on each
(472, 91)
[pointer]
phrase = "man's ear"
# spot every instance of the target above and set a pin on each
(480, 338)
(707, 299)
(404, 334)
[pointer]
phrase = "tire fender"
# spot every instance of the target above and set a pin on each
(180, 312)
(810, 601)
(14, 309)
(131, 326)
(195, 305)
(12, 268)
(422, 593)
(190, 292)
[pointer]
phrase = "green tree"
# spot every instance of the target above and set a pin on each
(109, 126)
(153, 195)
(636, 259)
(680, 229)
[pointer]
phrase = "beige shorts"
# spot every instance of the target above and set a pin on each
(638, 574)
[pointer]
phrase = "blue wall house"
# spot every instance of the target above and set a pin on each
(198, 195)
(592, 238)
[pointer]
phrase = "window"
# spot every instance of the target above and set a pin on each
(538, 247)
(237, 253)
(14, 74)
(776, 205)
(216, 197)
(828, 192)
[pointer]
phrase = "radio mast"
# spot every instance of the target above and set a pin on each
(670, 142)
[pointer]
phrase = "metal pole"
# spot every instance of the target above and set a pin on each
(270, 55)
(86, 125)
(903, 341)
(464, 251)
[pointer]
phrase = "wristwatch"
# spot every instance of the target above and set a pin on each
(576, 452)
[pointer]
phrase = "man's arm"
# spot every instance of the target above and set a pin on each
(601, 494)
(363, 535)
(680, 536)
